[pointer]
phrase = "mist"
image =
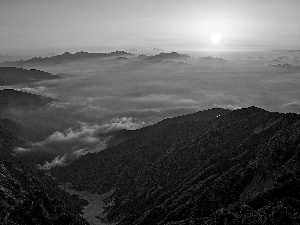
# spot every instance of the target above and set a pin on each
(98, 96)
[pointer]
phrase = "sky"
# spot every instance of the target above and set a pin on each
(167, 24)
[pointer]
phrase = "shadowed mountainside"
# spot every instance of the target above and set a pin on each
(13, 103)
(119, 136)
(10, 98)
(28, 197)
(13, 75)
(13, 127)
(241, 167)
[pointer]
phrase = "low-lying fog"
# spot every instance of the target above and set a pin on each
(98, 96)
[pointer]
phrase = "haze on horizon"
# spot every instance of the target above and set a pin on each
(168, 24)
(97, 96)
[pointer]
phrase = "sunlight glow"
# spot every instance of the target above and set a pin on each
(216, 38)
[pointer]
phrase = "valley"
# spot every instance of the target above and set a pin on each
(94, 211)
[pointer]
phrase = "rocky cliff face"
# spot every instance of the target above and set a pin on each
(28, 197)
(234, 167)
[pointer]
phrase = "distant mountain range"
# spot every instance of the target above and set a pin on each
(168, 56)
(183, 59)
(68, 57)
(171, 57)
(213, 167)
(145, 50)
(13, 75)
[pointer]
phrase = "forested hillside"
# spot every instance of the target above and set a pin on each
(27, 197)
(237, 166)
(13, 76)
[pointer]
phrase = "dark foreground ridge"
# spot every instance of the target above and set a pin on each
(26, 196)
(220, 167)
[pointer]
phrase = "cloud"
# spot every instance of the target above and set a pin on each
(107, 96)
(85, 134)
(151, 101)
(123, 123)
(57, 161)
(231, 107)
(186, 102)
(72, 139)
(34, 90)
(74, 142)
(293, 106)
(21, 150)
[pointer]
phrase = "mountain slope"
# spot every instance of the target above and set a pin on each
(200, 171)
(13, 75)
(10, 98)
(26, 196)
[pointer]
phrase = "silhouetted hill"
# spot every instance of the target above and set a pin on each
(10, 98)
(13, 75)
(69, 57)
(26, 196)
(237, 166)
(169, 56)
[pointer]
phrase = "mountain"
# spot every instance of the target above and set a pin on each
(69, 57)
(118, 136)
(26, 196)
(13, 127)
(10, 98)
(212, 167)
(13, 75)
(169, 56)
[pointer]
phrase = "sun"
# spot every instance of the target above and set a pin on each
(216, 38)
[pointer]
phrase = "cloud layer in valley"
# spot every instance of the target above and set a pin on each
(100, 96)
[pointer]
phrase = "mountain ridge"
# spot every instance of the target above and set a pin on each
(189, 171)
(168, 56)
(11, 98)
(67, 57)
(14, 75)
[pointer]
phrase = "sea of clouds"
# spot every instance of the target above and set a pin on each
(102, 96)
